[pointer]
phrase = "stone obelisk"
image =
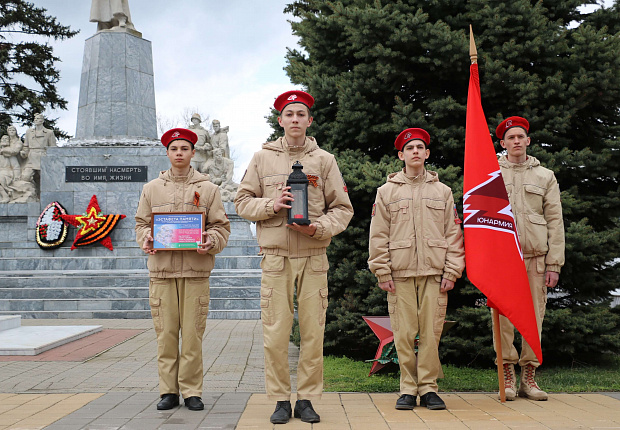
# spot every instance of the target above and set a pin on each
(117, 92)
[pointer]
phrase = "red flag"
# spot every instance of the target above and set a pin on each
(493, 255)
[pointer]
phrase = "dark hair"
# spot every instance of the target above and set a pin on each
(300, 103)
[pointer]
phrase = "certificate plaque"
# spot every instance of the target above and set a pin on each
(177, 231)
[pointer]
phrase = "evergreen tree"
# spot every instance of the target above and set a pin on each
(28, 76)
(377, 67)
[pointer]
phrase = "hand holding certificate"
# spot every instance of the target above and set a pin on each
(177, 231)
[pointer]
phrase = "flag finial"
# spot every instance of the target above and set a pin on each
(473, 54)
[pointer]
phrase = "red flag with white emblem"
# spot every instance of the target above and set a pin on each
(493, 255)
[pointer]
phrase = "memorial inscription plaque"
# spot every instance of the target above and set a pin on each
(106, 174)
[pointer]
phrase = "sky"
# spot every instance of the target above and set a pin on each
(224, 59)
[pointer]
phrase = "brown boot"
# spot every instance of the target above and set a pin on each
(528, 387)
(510, 381)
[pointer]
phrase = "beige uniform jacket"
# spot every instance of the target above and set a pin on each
(534, 195)
(413, 230)
(329, 207)
(170, 194)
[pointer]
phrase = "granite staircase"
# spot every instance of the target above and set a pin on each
(93, 282)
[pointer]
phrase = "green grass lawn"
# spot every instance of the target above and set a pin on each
(344, 374)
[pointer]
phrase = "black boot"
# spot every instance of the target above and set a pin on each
(406, 402)
(305, 411)
(432, 401)
(194, 403)
(282, 413)
(168, 401)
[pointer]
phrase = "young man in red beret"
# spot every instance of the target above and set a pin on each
(179, 280)
(416, 253)
(294, 256)
(534, 196)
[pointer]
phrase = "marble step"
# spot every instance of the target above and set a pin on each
(234, 248)
(113, 263)
(216, 292)
(236, 314)
(116, 242)
(8, 322)
(116, 304)
(114, 278)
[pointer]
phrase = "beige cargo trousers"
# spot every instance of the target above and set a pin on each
(179, 304)
(418, 307)
(280, 276)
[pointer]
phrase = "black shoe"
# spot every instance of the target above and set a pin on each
(194, 403)
(406, 402)
(305, 411)
(168, 401)
(432, 401)
(282, 413)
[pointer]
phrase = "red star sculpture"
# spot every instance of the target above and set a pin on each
(382, 327)
(93, 225)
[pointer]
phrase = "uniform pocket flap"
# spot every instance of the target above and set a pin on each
(266, 292)
(399, 244)
(438, 243)
(537, 219)
(264, 303)
(534, 189)
(435, 204)
(272, 222)
(396, 206)
(391, 298)
(323, 292)
(204, 300)
(154, 301)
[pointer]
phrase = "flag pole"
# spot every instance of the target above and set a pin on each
(497, 338)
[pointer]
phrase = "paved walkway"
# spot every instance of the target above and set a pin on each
(117, 389)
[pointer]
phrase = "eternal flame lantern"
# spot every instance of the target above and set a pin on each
(298, 181)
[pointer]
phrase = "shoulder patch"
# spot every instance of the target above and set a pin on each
(374, 209)
(457, 220)
(344, 184)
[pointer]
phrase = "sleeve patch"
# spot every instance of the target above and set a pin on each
(457, 220)
(374, 209)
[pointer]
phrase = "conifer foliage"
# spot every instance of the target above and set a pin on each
(28, 76)
(376, 67)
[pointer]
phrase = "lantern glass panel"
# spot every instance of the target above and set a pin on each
(299, 208)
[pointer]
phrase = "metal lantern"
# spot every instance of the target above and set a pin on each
(298, 181)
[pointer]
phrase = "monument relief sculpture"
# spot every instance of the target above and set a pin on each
(219, 138)
(15, 151)
(111, 14)
(6, 171)
(38, 139)
(203, 146)
(221, 171)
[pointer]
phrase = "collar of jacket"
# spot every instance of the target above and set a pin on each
(400, 177)
(280, 146)
(529, 163)
(193, 177)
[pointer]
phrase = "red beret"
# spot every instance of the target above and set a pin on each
(508, 123)
(178, 133)
(411, 134)
(289, 97)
